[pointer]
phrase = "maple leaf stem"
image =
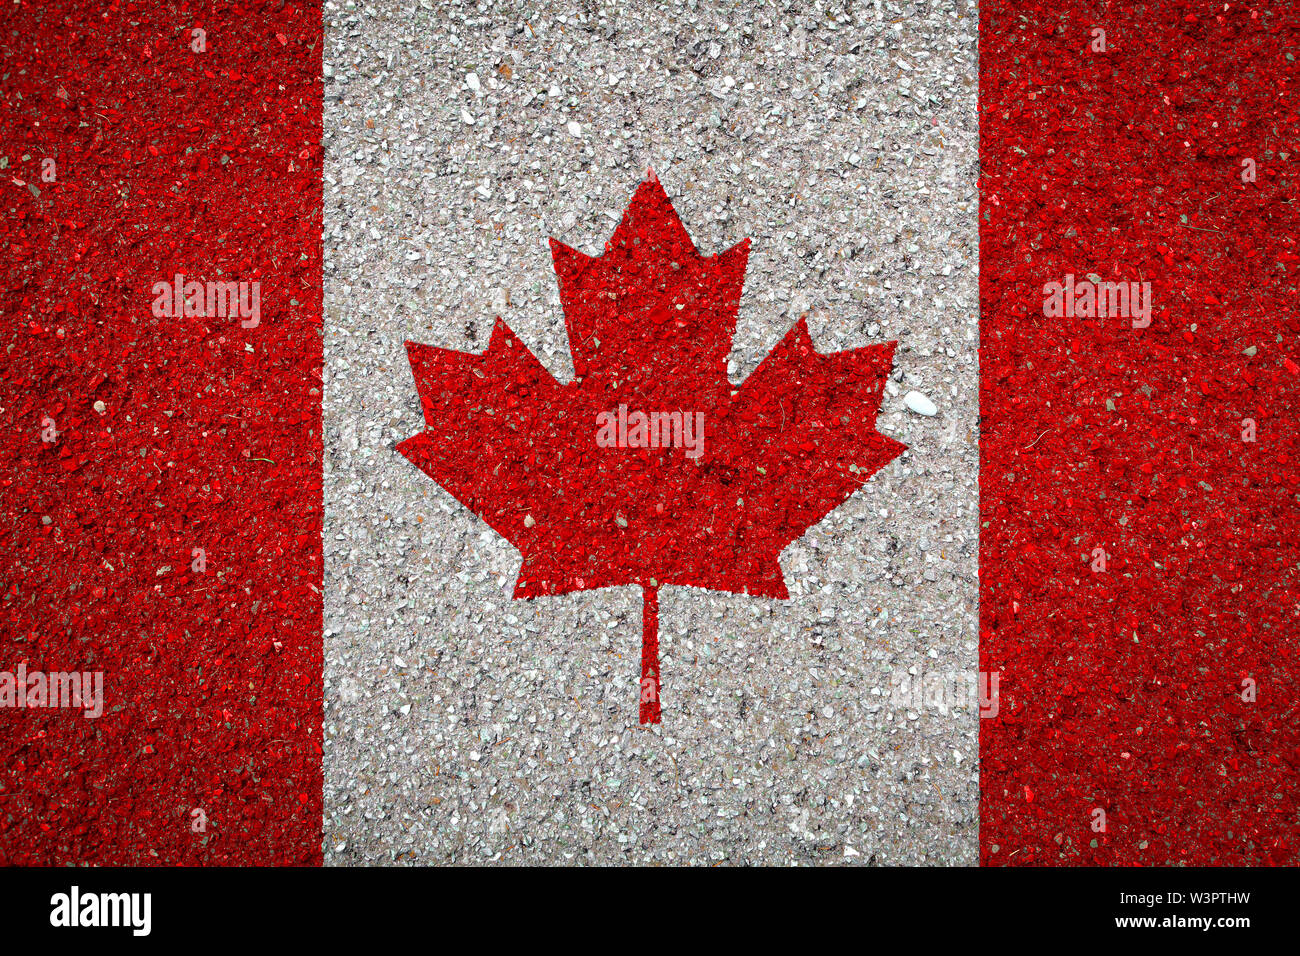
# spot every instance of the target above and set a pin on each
(650, 656)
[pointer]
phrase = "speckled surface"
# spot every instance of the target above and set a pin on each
(464, 726)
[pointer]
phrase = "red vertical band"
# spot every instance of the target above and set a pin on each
(650, 677)
(162, 504)
(1140, 555)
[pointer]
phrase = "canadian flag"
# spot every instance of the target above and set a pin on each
(582, 435)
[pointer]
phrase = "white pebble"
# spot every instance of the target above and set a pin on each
(920, 404)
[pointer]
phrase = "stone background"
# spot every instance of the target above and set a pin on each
(464, 727)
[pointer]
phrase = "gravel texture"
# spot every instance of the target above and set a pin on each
(464, 727)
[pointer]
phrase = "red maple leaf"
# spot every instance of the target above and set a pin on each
(609, 480)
